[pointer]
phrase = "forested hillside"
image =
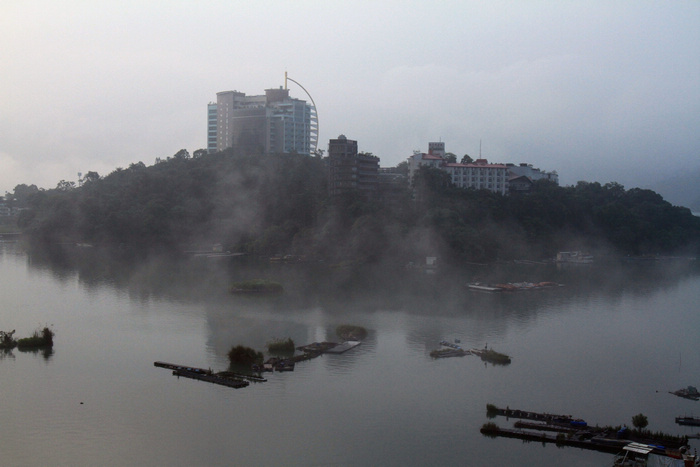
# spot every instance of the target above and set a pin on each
(278, 204)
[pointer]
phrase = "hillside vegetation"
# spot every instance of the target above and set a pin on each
(278, 204)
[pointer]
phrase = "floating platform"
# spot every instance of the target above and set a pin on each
(344, 347)
(223, 381)
(445, 353)
(317, 347)
(611, 446)
(692, 421)
(512, 286)
(492, 410)
(172, 366)
(484, 287)
(201, 374)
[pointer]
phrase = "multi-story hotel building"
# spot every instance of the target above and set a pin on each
(269, 123)
(479, 174)
(349, 170)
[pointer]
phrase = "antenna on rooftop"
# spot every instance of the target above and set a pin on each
(479, 148)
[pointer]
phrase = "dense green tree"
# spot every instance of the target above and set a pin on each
(640, 421)
(21, 194)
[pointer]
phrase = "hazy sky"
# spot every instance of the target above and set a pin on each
(596, 90)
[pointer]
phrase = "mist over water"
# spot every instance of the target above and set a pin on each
(609, 344)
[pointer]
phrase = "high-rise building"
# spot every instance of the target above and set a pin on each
(263, 124)
(350, 171)
(211, 127)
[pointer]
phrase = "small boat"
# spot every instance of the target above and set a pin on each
(694, 421)
(450, 345)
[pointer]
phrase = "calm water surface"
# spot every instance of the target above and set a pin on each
(608, 345)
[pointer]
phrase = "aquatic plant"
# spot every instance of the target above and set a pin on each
(281, 346)
(7, 342)
(491, 410)
(350, 332)
(40, 338)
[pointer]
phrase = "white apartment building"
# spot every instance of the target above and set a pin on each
(479, 175)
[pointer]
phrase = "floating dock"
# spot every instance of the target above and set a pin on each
(223, 381)
(446, 353)
(611, 446)
(201, 374)
(344, 347)
(511, 286)
(691, 421)
(317, 348)
(484, 287)
(172, 366)
(492, 411)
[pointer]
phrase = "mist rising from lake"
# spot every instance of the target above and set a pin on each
(609, 344)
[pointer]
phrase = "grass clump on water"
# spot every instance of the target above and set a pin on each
(42, 338)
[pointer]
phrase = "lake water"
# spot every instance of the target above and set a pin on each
(608, 345)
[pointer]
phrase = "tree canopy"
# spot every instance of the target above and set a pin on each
(279, 204)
